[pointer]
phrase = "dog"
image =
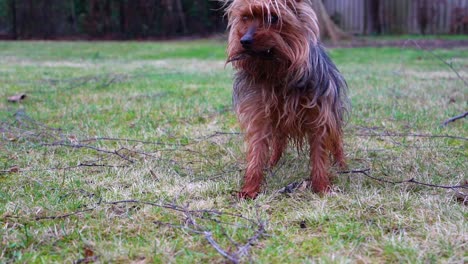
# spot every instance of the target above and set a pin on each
(286, 88)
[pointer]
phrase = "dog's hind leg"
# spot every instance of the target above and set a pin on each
(334, 144)
(338, 153)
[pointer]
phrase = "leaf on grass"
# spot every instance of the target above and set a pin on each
(141, 260)
(88, 252)
(73, 139)
(14, 169)
(90, 256)
(11, 137)
(17, 98)
(461, 196)
(154, 176)
(303, 224)
(295, 186)
(119, 210)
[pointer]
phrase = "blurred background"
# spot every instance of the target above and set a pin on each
(162, 19)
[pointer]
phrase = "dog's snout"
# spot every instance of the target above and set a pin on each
(247, 40)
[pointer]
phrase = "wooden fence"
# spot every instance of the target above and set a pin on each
(401, 16)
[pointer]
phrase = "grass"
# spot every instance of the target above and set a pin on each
(417, 37)
(178, 95)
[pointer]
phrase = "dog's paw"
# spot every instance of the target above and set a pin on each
(247, 195)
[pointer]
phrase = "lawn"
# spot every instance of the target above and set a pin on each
(130, 153)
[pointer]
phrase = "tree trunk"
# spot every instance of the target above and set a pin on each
(168, 25)
(181, 15)
(423, 16)
(73, 17)
(122, 17)
(401, 15)
(107, 13)
(14, 31)
(327, 26)
(373, 23)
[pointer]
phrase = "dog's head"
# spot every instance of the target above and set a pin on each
(270, 31)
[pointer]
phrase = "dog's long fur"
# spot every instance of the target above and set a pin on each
(286, 88)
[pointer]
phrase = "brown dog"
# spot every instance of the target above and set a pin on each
(285, 88)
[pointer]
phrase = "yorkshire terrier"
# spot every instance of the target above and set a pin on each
(286, 88)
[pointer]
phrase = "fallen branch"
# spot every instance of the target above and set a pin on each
(80, 146)
(54, 217)
(220, 133)
(366, 172)
(241, 251)
(387, 134)
(290, 188)
(191, 226)
(453, 119)
(129, 140)
(80, 165)
(174, 207)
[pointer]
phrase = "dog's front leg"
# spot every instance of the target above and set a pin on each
(257, 156)
(319, 162)
(257, 128)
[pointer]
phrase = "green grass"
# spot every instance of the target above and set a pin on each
(417, 37)
(178, 95)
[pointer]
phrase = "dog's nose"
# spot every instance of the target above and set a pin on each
(247, 40)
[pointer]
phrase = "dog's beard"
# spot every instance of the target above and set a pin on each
(268, 54)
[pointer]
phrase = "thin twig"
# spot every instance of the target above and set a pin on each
(80, 146)
(366, 172)
(450, 65)
(442, 60)
(220, 133)
(233, 258)
(243, 251)
(129, 140)
(80, 165)
(54, 217)
(196, 228)
(387, 134)
(453, 119)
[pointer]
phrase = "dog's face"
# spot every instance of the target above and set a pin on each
(270, 30)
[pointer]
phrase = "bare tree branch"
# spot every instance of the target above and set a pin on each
(453, 119)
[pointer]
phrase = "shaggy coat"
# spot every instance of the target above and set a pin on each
(286, 88)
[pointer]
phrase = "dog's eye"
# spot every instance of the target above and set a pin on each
(245, 18)
(274, 19)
